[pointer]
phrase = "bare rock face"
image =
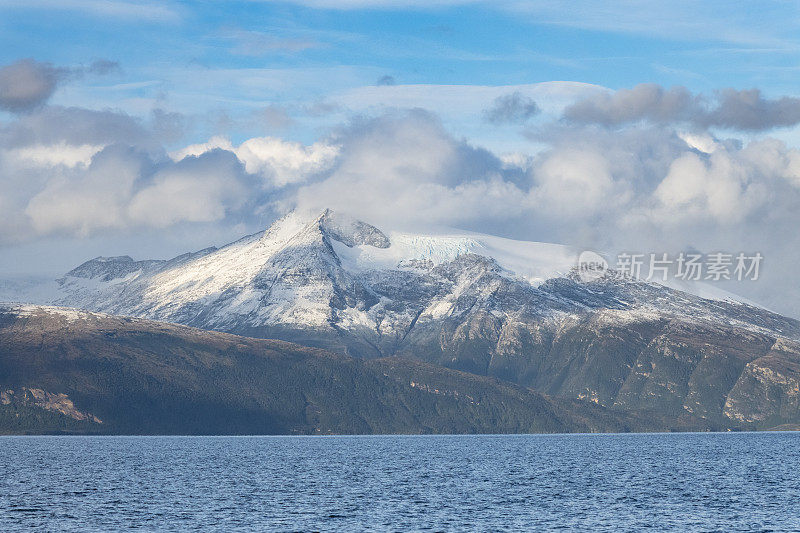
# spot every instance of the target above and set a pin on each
(768, 390)
(54, 402)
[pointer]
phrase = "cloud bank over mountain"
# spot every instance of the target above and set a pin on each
(650, 169)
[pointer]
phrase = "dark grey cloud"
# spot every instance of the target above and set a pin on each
(510, 109)
(386, 80)
(746, 110)
(321, 108)
(256, 43)
(274, 117)
(75, 125)
(168, 126)
(103, 67)
(27, 84)
(646, 101)
(749, 110)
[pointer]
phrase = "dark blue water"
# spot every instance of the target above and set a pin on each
(702, 482)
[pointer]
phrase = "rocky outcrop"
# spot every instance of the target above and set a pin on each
(54, 402)
(768, 390)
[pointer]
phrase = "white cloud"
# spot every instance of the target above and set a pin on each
(703, 142)
(285, 162)
(574, 182)
(122, 188)
(404, 166)
(81, 202)
(727, 186)
(278, 162)
(199, 189)
(54, 154)
(216, 142)
(462, 108)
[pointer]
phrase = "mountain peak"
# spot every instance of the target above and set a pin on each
(113, 259)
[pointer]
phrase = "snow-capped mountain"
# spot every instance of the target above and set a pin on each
(324, 273)
(474, 302)
(334, 273)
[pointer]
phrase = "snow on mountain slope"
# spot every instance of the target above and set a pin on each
(290, 273)
(532, 261)
(286, 274)
(22, 289)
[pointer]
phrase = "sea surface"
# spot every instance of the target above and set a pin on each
(683, 482)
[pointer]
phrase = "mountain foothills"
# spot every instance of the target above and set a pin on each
(133, 376)
(466, 310)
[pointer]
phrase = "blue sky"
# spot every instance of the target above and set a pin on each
(233, 57)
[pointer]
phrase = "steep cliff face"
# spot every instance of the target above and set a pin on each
(490, 306)
(768, 390)
(31, 410)
(48, 401)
